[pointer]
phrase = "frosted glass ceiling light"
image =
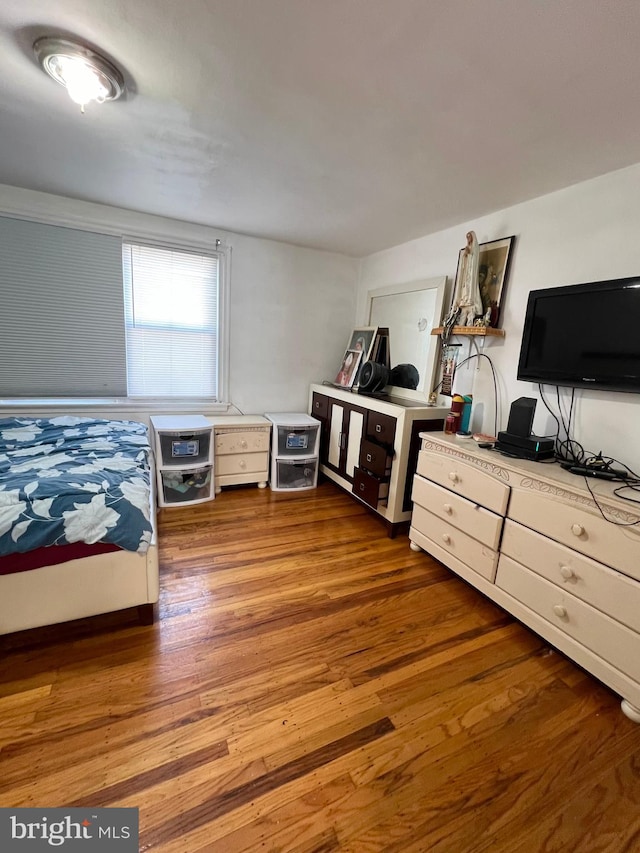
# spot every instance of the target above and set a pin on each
(87, 75)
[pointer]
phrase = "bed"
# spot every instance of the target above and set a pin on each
(77, 520)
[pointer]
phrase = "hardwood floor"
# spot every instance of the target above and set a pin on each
(313, 686)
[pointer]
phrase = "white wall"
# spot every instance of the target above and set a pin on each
(588, 232)
(290, 309)
(291, 315)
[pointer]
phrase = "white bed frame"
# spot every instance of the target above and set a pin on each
(79, 588)
(99, 584)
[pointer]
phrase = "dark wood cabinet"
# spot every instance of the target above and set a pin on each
(369, 446)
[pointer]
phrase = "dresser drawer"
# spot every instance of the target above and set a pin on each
(612, 592)
(466, 480)
(607, 638)
(381, 428)
(242, 463)
(574, 525)
(480, 523)
(467, 549)
(375, 458)
(242, 442)
(320, 406)
(369, 488)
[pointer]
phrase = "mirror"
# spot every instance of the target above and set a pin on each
(410, 311)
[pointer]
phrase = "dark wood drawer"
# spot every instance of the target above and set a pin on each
(381, 428)
(375, 458)
(369, 488)
(320, 406)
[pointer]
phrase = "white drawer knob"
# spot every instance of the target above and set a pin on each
(446, 538)
(577, 529)
(243, 444)
(448, 509)
(243, 464)
(559, 610)
(453, 477)
(567, 572)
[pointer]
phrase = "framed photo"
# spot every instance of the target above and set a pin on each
(493, 269)
(349, 368)
(362, 341)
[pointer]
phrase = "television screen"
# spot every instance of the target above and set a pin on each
(583, 335)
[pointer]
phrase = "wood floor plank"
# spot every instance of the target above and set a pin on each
(312, 686)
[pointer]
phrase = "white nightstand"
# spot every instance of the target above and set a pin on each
(242, 450)
(184, 459)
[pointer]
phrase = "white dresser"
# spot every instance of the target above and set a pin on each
(241, 450)
(531, 537)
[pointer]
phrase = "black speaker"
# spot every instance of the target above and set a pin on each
(373, 377)
(521, 416)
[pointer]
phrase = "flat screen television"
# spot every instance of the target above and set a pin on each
(584, 336)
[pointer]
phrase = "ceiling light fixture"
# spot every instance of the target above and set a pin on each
(87, 75)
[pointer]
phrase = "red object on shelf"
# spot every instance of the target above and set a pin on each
(451, 423)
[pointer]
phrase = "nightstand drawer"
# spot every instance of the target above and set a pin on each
(242, 463)
(480, 523)
(478, 486)
(471, 552)
(611, 640)
(605, 589)
(242, 442)
(579, 528)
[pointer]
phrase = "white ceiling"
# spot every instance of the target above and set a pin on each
(348, 125)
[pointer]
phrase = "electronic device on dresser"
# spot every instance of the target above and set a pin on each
(583, 336)
(517, 440)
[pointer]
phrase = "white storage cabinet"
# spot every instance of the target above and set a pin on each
(184, 459)
(294, 451)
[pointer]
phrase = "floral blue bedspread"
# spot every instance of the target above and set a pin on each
(73, 479)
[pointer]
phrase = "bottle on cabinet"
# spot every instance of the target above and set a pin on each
(458, 418)
(451, 423)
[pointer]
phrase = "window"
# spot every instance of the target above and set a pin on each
(61, 320)
(171, 321)
(86, 316)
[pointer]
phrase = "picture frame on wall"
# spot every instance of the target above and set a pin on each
(493, 270)
(362, 341)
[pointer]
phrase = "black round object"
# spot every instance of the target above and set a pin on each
(404, 376)
(373, 377)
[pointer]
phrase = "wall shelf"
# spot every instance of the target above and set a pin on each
(474, 331)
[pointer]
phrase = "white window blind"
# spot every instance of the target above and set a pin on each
(61, 316)
(171, 321)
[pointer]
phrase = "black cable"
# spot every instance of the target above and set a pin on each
(601, 511)
(634, 486)
(564, 426)
(495, 384)
(566, 452)
(547, 407)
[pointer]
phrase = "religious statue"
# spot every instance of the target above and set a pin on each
(467, 301)
(467, 291)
